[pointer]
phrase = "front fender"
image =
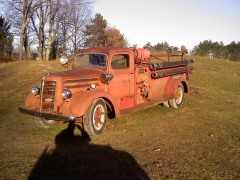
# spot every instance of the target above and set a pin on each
(32, 101)
(172, 85)
(80, 102)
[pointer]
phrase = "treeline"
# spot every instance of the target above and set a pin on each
(218, 50)
(48, 28)
(206, 48)
(161, 47)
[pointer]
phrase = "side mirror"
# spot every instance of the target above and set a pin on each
(63, 60)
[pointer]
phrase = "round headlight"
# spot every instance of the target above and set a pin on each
(66, 93)
(63, 60)
(35, 89)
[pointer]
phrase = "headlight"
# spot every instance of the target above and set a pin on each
(63, 60)
(66, 93)
(36, 90)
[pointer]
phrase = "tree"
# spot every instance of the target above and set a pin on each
(204, 49)
(48, 21)
(6, 38)
(234, 51)
(115, 38)
(55, 16)
(77, 15)
(95, 31)
(218, 50)
(24, 8)
(54, 49)
(163, 47)
(148, 46)
(40, 16)
(60, 16)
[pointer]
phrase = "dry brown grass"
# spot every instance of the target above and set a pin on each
(199, 141)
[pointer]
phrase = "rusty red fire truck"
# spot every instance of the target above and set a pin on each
(107, 82)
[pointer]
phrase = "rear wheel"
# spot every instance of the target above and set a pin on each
(178, 101)
(94, 120)
(42, 123)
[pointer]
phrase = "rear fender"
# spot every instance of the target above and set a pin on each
(80, 102)
(172, 85)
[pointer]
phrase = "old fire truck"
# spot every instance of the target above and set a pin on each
(107, 82)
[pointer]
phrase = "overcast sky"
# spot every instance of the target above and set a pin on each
(178, 22)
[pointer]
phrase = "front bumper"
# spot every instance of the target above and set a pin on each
(47, 116)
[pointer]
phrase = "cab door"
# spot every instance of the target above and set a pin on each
(121, 87)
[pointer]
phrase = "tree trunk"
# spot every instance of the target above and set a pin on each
(20, 54)
(40, 51)
(49, 43)
(25, 44)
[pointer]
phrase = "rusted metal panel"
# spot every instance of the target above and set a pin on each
(80, 102)
(32, 101)
(127, 102)
(157, 87)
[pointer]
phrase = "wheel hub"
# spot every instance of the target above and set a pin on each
(98, 116)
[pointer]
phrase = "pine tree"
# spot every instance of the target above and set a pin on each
(95, 31)
(6, 38)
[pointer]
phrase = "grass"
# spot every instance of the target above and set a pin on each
(201, 140)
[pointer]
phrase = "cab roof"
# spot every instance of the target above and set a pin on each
(106, 50)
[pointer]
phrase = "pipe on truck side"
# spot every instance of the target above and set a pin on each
(180, 70)
(158, 66)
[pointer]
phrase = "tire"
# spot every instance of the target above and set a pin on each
(177, 102)
(94, 120)
(166, 104)
(42, 123)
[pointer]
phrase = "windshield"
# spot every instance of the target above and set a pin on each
(91, 59)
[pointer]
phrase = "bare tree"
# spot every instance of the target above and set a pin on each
(65, 24)
(40, 16)
(76, 13)
(54, 23)
(24, 8)
(80, 18)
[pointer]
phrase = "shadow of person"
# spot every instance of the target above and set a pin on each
(75, 158)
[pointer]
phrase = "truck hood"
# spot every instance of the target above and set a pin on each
(76, 80)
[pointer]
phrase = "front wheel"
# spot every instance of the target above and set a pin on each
(166, 104)
(94, 120)
(178, 100)
(42, 123)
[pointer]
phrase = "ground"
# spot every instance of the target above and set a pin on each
(201, 140)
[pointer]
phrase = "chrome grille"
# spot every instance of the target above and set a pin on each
(48, 96)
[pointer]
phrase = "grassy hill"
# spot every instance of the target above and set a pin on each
(201, 140)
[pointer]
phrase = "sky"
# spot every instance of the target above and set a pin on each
(178, 22)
